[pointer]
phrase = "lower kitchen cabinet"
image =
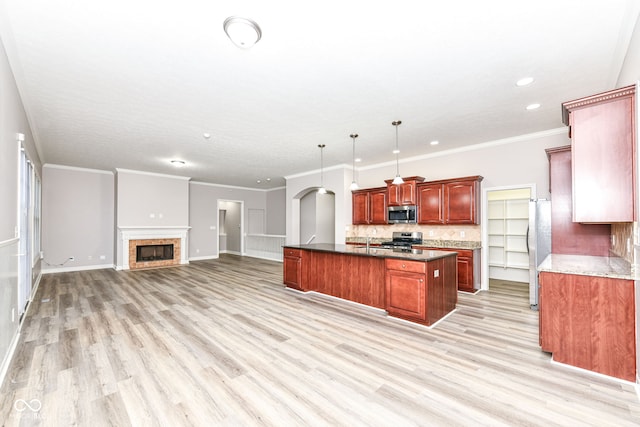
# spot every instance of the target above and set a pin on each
(468, 267)
(293, 268)
(420, 292)
(589, 322)
(406, 289)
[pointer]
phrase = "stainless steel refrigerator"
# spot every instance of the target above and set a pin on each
(538, 243)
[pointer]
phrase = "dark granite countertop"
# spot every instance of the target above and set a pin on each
(413, 255)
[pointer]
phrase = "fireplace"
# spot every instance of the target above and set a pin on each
(154, 252)
(129, 238)
(151, 253)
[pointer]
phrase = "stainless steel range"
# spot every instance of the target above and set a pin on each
(403, 240)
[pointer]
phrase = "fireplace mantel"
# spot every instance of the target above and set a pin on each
(127, 233)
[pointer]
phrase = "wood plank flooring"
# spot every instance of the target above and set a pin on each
(222, 342)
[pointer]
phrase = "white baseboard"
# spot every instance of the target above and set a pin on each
(80, 268)
(8, 357)
(203, 258)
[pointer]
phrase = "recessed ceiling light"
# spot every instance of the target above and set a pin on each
(434, 142)
(524, 81)
(206, 135)
(258, 181)
(396, 151)
(358, 159)
(178, 163)
(268, 179)
(533, 106)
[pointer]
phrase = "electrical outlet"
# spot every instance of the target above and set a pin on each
(462, 234)
(103, 257)
(436, 273)
(431, 233)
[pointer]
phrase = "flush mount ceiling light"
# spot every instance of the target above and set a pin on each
(321, 190)
(398, 179)
(178, 163)
(354, 184)
(243, 32)
(434, 142)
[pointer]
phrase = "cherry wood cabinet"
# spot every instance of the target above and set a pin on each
(369, 206)
(602, 131)
(468, 269)
(454, 201)
(421, 292)
(293, 268)
(589, 322)
(403, 194)
(568, 237)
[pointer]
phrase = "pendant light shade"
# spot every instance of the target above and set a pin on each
(321, 190)
(398, 179)
(354, 185)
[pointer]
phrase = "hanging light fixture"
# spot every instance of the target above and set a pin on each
(354, 184)
(398, 179)
(321, 190)
(243, 32)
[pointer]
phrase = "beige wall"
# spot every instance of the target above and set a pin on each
(151, 200)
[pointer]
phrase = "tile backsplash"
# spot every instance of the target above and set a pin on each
(469, 233)
(622, 242)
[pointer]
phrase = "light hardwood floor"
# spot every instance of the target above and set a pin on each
(222, 342)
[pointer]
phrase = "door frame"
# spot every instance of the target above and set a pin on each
(484, 274)
(242, 235)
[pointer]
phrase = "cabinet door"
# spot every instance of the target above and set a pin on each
(378, 207)
(407, 193)
(393, 194)
(360, 207)
(430, 203)
(603, 172)
(292, 271)
(460, 202)
(405, 295)
(465, 271)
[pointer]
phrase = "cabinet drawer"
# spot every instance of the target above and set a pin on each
(402, 265)
(292, 252)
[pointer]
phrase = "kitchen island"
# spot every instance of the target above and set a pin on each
(415, 285)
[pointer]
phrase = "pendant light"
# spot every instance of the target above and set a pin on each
(398, 179)
(321, 190)
(354, 184)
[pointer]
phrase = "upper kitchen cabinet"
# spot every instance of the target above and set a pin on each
(602, 131)
(452, 201)
(369, 206)
(402, 194)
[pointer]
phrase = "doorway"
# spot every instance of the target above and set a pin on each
(317, 217)
(505, 232)
(230, 227)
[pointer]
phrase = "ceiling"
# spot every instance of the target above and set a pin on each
(133, 84)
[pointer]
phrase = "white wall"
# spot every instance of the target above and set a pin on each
(13, 120)
(77, 218)
(308, 217)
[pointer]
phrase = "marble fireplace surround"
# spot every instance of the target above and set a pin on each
(128, 237)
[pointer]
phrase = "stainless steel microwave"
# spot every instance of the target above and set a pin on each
(401, 214)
